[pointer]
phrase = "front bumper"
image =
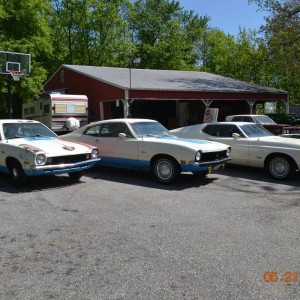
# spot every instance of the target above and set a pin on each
(61, 168)
(209, 163)
(205, 166)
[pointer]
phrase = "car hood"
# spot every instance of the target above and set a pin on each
(190, 143)
(272, 125)
(51, 146)
(280, 141)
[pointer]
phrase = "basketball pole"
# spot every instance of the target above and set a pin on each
(9, 102)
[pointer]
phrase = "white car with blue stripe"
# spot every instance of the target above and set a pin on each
(29, 148)
(146, 144)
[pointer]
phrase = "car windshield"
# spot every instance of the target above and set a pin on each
(264, 120)
(25, 130)
(153, 129)
(255, 130)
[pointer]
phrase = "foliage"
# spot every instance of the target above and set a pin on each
(91, 32)
(268, 5)
(240, 58)
(160, 32)
(24, 28)
(282, 39)
(166, 37)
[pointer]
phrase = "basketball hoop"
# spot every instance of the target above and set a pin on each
(16, 75)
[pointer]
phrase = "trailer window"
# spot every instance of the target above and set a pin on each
(80, 109)
(61, 108)
(26, 111)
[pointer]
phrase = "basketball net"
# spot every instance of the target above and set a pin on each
(16, 75)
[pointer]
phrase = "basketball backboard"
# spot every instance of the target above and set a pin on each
(13, 61)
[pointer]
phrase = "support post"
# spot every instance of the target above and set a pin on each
(9, 102)
(126, 104)
(287, 106)
(207, 103)
(101, 111)
(251, 104)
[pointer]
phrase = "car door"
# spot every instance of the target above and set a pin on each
(222, 133)
(114, 150)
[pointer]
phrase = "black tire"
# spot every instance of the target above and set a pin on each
(200, 174)
(17, 173)
(165, 169)
(75, 176)
(281, 167)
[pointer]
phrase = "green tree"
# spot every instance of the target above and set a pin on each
(165, 36)
(92, 32)
(282, 39)
(242, 57)
(267, 5)
(24, 28)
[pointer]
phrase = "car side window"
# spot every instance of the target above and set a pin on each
(248, 119)
(93, 131)
(10, 131)
(113, 130)
(208, 129)
(220, 131)
(237, 119)
(242, 119)
(234, 129)
(224, 131)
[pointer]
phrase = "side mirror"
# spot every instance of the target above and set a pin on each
(122, 135)
(236, 135)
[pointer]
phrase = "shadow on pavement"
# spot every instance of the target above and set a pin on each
(258, 174)
(37, 183)
(145, 178)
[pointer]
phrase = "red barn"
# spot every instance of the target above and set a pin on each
(175, 98)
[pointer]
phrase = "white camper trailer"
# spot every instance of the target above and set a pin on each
(60, 112)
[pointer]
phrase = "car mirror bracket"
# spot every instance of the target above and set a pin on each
(122, 135)
(236, 135)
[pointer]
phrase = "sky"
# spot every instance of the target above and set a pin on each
(227, 15)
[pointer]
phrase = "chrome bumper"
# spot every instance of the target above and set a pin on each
(209, 163)
(65, 166)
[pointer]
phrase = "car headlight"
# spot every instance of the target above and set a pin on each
(198, 155)
(95, 153)
(228, 151)
(40, 159)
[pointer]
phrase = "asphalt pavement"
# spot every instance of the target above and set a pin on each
(120, 235)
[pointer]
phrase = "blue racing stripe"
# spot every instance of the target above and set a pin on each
(39, 138)
(124, 163)
(186, 140)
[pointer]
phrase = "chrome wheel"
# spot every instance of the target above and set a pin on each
(166, 170)
(281, 167)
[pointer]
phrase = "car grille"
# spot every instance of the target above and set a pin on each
(211, 156)
(68, 159)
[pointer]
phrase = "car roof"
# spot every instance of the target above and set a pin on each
(245, 115)
(127, 120)
(5, 121)
(233, 123)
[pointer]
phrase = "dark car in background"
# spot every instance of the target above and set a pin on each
(266, 122)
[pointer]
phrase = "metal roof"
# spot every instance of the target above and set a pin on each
(169, 80)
